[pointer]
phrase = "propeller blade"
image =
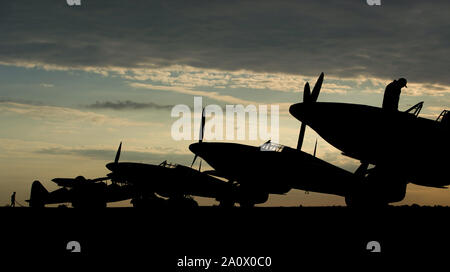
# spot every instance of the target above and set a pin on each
(202, 127)
(301, 136)
(315, 148)
(306, 93)
(116, 160)
(317, 87)
(195, 157)
(200, 138)
(309, 97)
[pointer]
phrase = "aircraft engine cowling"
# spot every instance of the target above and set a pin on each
(379, 187)
(252, 197)
(379, 197)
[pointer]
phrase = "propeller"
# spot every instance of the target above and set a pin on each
(195, 157)
(200, 140)
(315, 148)
(116, 160)
(317, 87)
(308, 98)
(306, 93)
(114, 176)
(202, 127)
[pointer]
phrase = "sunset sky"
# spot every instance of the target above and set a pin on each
(75, 81)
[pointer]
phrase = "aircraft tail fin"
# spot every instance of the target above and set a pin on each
(39, 195)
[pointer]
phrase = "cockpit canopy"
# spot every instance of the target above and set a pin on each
(269, 146)
(444, 119)
(168, 164)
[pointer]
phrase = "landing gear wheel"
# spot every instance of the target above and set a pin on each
(226, 203)
(182, 202)
(148, 202)
(247, 204)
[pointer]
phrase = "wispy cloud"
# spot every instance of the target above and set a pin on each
(127, 105)
(47, 85)
(283, 106)
(178, 89)
(42, 112)
(191, 77)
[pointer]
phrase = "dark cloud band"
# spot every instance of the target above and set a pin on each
(407, 38)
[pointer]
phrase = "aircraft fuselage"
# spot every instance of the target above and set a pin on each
(416, 146)
(274, 172)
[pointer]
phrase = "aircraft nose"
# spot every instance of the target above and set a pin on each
(194, 148)
(298, 110)
(110, 166)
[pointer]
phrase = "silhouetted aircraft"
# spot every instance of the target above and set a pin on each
(272, 169)
(81, 192)
(173, 181)
(145, 184)
(275, 169)
(403, 146)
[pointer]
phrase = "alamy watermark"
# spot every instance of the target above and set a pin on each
(373, 2)
(73, 2)
(73, 246)
(231, 125)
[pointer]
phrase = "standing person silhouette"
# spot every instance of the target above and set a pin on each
(392, 94)
(13, 199)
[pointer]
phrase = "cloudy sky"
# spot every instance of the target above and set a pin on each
(75, 81)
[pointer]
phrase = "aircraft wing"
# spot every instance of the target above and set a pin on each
(64, 182)
(70, 182)
(439, 187)
(217, 174)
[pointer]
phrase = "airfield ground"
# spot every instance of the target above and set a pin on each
(285, 234)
